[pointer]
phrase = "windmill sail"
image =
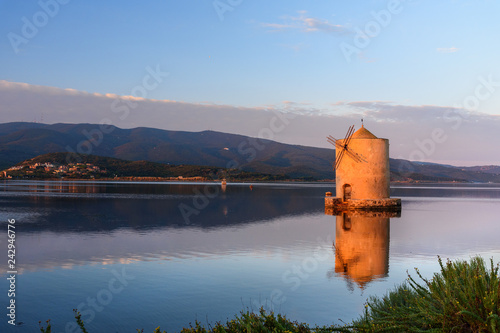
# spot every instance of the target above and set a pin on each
(344, 148)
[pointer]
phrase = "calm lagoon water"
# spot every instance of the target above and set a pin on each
(142, 255)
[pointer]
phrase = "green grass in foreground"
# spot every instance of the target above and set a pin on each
(462, 297)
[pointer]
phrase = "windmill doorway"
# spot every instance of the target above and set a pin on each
(347, 192)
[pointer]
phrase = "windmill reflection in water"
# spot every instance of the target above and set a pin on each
(361, 245)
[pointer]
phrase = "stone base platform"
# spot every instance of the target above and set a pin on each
(389, 204)
(364, 213)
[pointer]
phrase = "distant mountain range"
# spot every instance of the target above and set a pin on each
(21, 141)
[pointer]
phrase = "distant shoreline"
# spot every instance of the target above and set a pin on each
(159, 179)
(198, 180)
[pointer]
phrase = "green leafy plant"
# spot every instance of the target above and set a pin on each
(79, 321)
(262, 322)
(45, 330)
(462, 297)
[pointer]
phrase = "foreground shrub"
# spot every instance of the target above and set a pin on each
(463, 297)
(261, 322)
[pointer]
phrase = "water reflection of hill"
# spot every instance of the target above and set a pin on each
(92, 207)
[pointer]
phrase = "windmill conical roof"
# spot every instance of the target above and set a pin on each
(363, 133)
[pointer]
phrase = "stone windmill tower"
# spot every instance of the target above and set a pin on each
(362, 173)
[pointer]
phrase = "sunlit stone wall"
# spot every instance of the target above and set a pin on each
(370, 178)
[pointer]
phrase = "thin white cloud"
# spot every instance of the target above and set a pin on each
(306, 24)
(314, 24)
(296, 47)
(276, 26)
(387, 111)
(135, 98)
(447, 49)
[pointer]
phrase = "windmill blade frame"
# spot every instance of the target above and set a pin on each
(344, 148)
(346, 141)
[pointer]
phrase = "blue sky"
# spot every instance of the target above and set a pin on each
(263, 54)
